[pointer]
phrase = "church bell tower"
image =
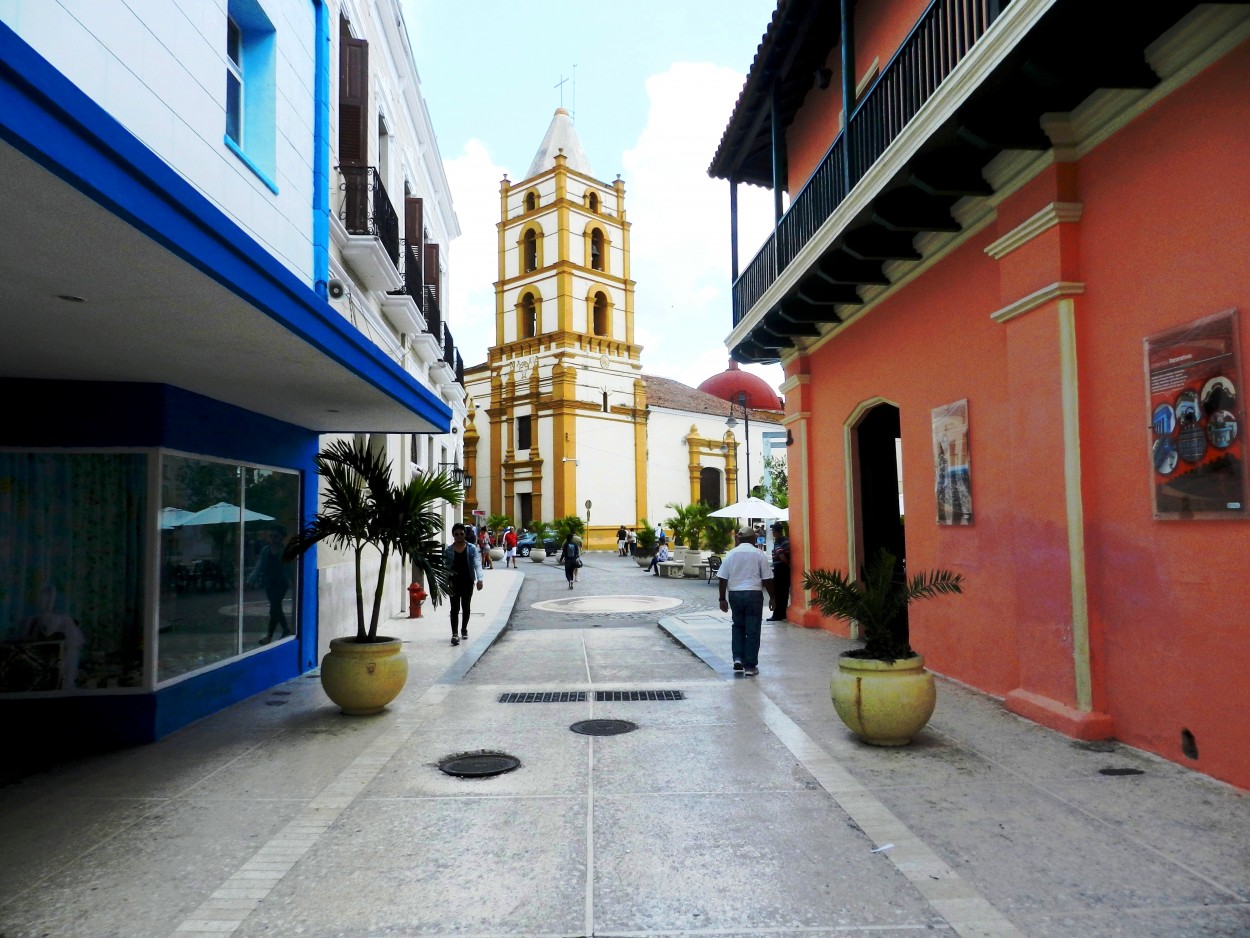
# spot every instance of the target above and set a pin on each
(567, 406)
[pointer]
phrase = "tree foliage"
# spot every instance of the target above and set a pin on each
(876, 601)
(363, 507)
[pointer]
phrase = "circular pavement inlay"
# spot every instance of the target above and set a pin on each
(603, 727)
(479, 764)
(582, 605)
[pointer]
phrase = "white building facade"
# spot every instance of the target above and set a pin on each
(201, 297)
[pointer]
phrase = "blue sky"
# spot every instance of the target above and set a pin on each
(655, 85)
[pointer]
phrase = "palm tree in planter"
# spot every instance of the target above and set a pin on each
(644, 549)
(881, 691)
(719, 534)
(363, 508)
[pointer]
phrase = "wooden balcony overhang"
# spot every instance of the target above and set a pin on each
(1042, 57)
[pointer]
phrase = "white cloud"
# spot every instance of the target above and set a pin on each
(679, 238)
(474, 263)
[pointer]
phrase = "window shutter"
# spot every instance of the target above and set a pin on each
(414, 234)
(353, 102)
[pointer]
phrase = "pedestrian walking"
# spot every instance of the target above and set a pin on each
(461, 558)
(744, 577)
(270, 572)
(483, 548)
(781, 572)
(571, 557)
(631, 541)
(509, 548)
(621, 536)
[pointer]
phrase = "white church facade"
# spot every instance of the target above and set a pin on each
(562, 419)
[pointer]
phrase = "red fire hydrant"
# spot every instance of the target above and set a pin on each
(416, 596)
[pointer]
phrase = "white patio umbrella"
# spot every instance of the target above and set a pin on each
(173, 517)
(224, 513)
(750, 508)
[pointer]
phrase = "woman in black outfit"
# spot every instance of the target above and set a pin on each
(461, 558)
(570, 554)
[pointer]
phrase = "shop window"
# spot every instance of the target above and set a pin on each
(224, 589)
(71, 571)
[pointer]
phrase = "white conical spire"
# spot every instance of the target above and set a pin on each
(560, 136)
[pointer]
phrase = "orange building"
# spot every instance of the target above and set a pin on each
(1013, 281)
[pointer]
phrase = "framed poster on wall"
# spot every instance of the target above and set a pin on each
(1196, 436)
(951, 463)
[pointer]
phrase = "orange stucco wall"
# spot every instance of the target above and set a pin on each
(1161, 241)
(1164, 240)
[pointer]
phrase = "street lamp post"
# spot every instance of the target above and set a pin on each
(746, 431)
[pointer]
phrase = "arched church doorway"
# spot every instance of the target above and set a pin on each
(710, 487)
(879, 522)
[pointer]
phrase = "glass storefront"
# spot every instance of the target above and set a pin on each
(224, 587)
(74, 555)
(71, 570)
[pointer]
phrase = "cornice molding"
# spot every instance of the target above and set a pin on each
(1055, 291)
(1056, 213)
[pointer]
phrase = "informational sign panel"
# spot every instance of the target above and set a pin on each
(1196, 425)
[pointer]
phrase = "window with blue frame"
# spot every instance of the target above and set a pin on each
(251, 88)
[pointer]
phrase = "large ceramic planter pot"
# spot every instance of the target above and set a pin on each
(496, 554)
(362, 678)
(642, 560)
(885, 703)
(690, 566)
(538, 556)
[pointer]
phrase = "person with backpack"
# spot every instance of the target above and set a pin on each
(571, 557)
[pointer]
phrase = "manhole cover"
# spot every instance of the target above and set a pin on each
(583, 605)
(479, 764)
(603, 727)
(1121, 772)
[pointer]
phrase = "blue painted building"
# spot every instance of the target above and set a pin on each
(172, 354)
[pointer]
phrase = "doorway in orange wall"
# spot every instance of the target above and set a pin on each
(878, 522)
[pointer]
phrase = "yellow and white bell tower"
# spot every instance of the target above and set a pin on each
(560, 406)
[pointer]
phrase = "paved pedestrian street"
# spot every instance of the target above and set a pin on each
(733, 807)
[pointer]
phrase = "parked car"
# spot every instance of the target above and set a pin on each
(525, 543)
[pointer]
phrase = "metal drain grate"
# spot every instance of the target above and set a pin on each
(558, 696)
(639, 695)
(479, 764)
(603, 727)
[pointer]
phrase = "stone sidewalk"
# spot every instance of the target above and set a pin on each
(742, 809)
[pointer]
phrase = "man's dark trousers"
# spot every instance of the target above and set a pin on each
(747, 609)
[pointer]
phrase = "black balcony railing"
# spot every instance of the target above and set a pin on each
(429, 308)
(367, 209)
(459, 369)
(410, 270)
(449, 349)
(938, 43)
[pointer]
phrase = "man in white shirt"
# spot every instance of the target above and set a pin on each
(745, 575)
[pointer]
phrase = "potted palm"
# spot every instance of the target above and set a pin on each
(881, 691)
(495, 524)
(538, 551)
(644, 550)
(719, 534)
(364, 508)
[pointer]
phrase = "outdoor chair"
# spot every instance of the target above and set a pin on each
(713, 565)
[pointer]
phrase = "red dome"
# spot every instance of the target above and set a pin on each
(729, 383)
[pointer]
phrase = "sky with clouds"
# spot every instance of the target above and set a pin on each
(651, 88)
